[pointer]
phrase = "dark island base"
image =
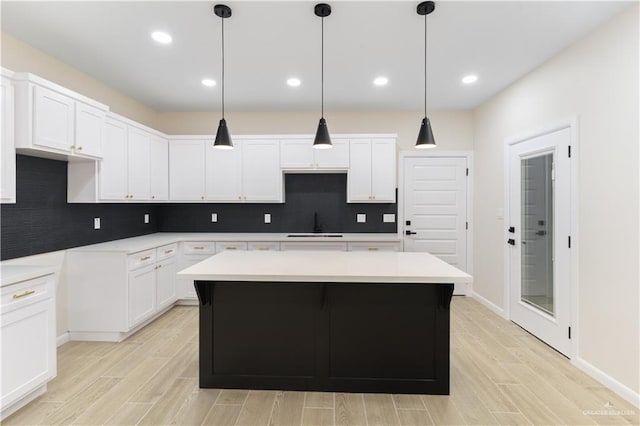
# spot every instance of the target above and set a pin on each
(339, 337)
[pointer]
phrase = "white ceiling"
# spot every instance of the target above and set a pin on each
(267, 42)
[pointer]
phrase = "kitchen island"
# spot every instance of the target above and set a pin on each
(325, 321)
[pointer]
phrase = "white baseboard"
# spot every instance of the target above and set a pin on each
(486, 302)
(187, 302)
(622, 390)
(62, 339)
(15, 406)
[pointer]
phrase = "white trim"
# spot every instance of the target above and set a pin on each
(9, 410)
(62, 339)
(622, 390)
(468, 155)
(489, 304)
(570, 122)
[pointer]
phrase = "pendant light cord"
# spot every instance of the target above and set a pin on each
(222, 67)
(322, 70)
(425, 65)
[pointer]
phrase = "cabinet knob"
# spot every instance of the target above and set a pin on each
(159, 266)
(23, 294)
(245, 197)
(239, 197)
(72, 147)
(79, 148)
(153, 197)
(131, 196)
(202, 198)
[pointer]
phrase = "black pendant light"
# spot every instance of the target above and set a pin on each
(322, 140)
(223, 139)
(425, 136)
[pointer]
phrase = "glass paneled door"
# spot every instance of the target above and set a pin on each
(538, 236)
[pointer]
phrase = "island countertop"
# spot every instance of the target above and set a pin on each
(309, 266)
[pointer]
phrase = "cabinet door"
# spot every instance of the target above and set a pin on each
(383, 170)
(262, 178)
(142, 295)
(296, 154)
(113, 167)
(186, 170)
(186, 289)
(359, 177)
(223, 173)
(334, 158)
(89, 130)
(166, 283)
(159, 164)
(8, 151)
(139, 164)
(53, 120)
(28, 350)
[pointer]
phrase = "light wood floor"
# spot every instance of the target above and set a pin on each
(499, 375)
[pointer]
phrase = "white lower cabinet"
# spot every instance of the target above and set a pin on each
(263, 246)
(28, 342)
(375, 246)
(111, 294)
(313, 246)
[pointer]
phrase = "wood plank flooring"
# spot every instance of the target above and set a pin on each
(499, 375)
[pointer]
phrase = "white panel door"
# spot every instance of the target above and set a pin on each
(113, 167)
(139, 164)
(359, 177)
(186, 288)
(186, 170)
(142, 295)
(223, 173)
(335, 158)
(89, 130)
(435, 209)
(7, 152)
(539, 221)
(296, 154)
(262, 178)
(159, 168)
(383, 170)
(166, 283)
(53, 119)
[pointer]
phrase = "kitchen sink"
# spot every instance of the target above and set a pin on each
(314, 235)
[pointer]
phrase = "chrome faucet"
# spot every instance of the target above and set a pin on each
(316, 225)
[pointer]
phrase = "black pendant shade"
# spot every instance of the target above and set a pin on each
(425, 136)
(322, 140)
(223, 140)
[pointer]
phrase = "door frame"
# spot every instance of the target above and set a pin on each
(571, 123)
(468, 156)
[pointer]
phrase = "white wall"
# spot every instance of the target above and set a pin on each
(597, 79)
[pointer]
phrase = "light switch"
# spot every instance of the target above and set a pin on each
(214, 217)
(267, 218)
(361, 218)
(96, 223)
(146, 218)
(389, 218)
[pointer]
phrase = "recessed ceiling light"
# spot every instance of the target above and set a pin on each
(469, 79)
(208, 82)
(294, 82)
(380, 81)
(161, 37)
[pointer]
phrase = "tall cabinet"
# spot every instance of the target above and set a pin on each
(7, 141)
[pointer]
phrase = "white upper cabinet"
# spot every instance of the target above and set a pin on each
(114, 183)
(159, 157)
(7, 151)
(51, 119)
(372, 171)
(300, 154)
(139, 164)
(186, 170)
(262, 179)
(224, 173)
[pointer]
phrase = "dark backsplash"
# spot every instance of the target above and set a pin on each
(42, 221)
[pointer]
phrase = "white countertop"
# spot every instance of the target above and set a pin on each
(325, 266)
(145, 242)
(11, 274)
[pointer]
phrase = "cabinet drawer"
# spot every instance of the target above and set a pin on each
(198, 247)
(264, 246)
(311, 246)
(142, 258)
(165, 252)
(220, 247)
(25, 293)
(375, 246)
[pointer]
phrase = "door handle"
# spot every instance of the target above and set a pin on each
(409, 233)
(511, 241)
(512, 229)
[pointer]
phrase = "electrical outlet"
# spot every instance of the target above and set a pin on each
(146, 218)
(267, 218)
(388, 217)
(96, 223)
(214, 217)
(361, 218)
